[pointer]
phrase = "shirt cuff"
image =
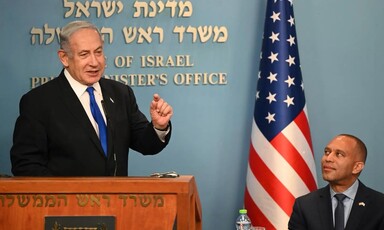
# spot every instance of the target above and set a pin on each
(162, 133)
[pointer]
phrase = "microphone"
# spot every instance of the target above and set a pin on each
(115, 160)
(105, 110)
(109, 125)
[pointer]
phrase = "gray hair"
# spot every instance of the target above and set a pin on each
(72, 27)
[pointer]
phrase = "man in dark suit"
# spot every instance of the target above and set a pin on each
(343, 160)
(56, 133)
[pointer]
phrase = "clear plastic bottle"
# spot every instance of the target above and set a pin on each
(243, 222)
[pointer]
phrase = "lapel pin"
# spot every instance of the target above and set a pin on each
(362, 204)
(111, 100)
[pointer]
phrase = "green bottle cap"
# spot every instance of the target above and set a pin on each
(243, 211)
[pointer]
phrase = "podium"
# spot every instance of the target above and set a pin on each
(105, 203)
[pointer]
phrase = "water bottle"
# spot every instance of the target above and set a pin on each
(243, 222)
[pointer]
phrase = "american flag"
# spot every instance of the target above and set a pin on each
(281, 164)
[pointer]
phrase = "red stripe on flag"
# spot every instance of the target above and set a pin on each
(293, 157)
(257, 216)
(303, 124)
(279, 193)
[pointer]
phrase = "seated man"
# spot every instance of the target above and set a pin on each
(360, 207)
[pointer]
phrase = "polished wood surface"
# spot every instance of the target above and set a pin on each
(135, 202)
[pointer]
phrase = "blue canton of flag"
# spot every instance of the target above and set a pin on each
(280, 93)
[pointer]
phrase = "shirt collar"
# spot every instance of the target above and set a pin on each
(350, 192)
(78, 87)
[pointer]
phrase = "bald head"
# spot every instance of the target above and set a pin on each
(360, 148)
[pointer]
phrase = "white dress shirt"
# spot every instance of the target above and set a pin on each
(83, 95)
(348, 201)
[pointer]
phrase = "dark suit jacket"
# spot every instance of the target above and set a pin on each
(54, 137)
(314, 211)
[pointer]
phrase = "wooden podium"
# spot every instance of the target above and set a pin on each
(84, 203)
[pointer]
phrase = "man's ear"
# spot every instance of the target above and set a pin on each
(63, 56)
(358, 167)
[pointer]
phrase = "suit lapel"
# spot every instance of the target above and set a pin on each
(358, 208)
(325, 208)
(110, 113)
(74, 106)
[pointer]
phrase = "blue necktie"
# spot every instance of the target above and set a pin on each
(339, 212)
(96, 113)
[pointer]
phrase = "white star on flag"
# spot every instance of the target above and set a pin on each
(289, 101)
(291, 40)
(274, 37)
(272, 77)
(290, 81)
(291, 60)
(271, 97)
(273, 57)
(291, 21)
(270, 117)
(275, 16)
